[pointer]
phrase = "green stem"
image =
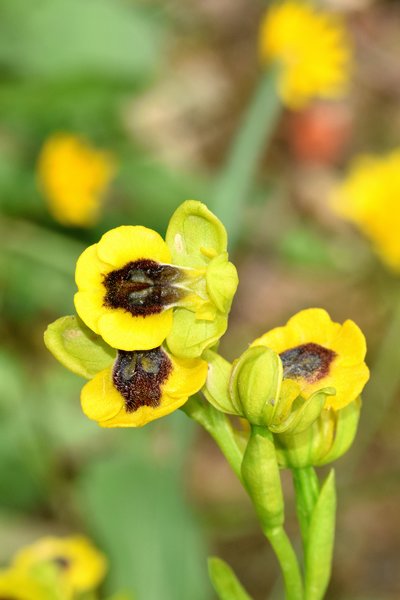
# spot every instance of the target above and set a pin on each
(218, 426)
(288, 562)
(235, 181)
(306, 485)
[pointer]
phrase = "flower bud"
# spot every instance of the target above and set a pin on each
(326, 440)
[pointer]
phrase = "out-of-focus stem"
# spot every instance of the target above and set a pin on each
(236, 178)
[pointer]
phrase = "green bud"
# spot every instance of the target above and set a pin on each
(346, 424)
(260, 473)
(328, 438)
(255, 385)
(216, 387)
(77, 348)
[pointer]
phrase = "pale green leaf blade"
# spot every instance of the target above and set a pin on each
(224, 580)
(319, 549)
(77, 347)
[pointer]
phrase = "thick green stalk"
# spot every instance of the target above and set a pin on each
(288, 562)
(237, 176)
(306, 485)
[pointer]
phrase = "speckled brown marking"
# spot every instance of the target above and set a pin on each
(138, 377)
(143, 287)
(307, 361)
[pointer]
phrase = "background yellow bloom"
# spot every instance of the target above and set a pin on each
(81, 565)
(74, 177)
(369, 197)
(312, 49)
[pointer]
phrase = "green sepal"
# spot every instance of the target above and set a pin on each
(77, 347)
(216, 387)
(260, 473)
(319, 548)
(304, 412)
(225, 583)
(255, 384)
(189, 336)
(222, 281)
(195, 235)
(345, 432)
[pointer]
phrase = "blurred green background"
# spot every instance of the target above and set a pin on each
(162, 86)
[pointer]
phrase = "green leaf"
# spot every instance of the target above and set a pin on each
(321, 534)
(224, 580)
(77, 348)
(195, 233)
(134, 503)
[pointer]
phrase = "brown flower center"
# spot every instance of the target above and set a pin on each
(143, 287)
(307, 361)
(138, 377)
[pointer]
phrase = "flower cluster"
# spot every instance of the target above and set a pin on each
(74, 177)
(54, 569)
(368, 197)
(148, 310)
(311, 49)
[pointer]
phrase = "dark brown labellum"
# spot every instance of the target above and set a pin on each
(138, 377)
(307, 361)
(143, 287)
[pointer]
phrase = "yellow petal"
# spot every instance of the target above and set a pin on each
(99, 398)
(128, 243)
(350, 344)
(89, 306)
(145, 414)
(313, 325)
(90, 269)
(122, 330)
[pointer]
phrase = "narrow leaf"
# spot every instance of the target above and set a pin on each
(77, 347)
(224, 580)
(320, 541)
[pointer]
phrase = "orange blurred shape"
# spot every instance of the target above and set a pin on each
(320, 133)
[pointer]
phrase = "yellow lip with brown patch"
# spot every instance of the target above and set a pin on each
(317, 353)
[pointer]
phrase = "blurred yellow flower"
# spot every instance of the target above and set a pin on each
(140, 387)
(369, 197)
(80, 564)
(17, 584)
(74, 177)
(317, 353)
(312, 49)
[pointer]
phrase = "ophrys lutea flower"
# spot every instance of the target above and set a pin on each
(78, 563)
(141, 386)
(311, 48)
(317, 353)
(74, 177)
(135, 290)
(369, 198)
